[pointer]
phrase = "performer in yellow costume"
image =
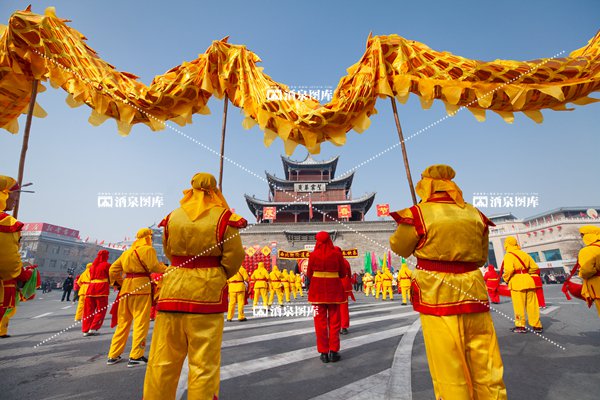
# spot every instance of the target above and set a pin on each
(276, 286)
(404, 282)
(237, 294)
(368, 281)
(83, 282)
(260, 277)
(293, 288)
(450, 240)
(589, 264)
(202, 241)
(518, 266)
(378, 283)
(10, 232)
(131, 273)
(285, 281)
(299, 284)
(387, 280)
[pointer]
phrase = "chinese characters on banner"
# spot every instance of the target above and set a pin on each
(383, 210)
(269, 213)
(310, 187)
(301, 254)
(344, 211)
(266, 251)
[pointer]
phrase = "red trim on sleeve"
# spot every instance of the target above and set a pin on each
(401, 220)
(222, 226)
(16, 227)
(239, 224)
(419, 225)
(165, 224)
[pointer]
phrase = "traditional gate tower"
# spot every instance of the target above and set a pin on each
(310, 192)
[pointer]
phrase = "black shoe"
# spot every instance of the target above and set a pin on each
(325, 357)
(519, 329)
(243, 319)
(538, 330)
(112, 361)
(4, 336)
(334, 356)
(344, 331)
(228, 320)
(134, 362)
(403, 304)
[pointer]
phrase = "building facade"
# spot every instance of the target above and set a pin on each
(309, 192)
(551, 238)
(58, 251)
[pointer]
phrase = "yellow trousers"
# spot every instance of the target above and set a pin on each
(387, 290)
(262, 292)
(526, 299)
(239, 298)
(5, 320)
(369, 289)
(286, 291)
(377, 290)
(79, 311)
(405, 294)
(177, 335)
(136, 309)
(464, 357)
(597, 301)
(279, 296)
(299, 289)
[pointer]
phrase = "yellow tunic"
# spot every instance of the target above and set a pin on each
(589, 270)
(260, 276)
(10, 234)
(404, 276)
(518, 266)
(236, 282)
(213, 237)
(440, 230)
(142, 260)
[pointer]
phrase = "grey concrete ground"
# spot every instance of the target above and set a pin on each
(275, 357)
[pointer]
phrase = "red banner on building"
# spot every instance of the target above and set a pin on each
(383, 210)
(344, 211)
(269, 213)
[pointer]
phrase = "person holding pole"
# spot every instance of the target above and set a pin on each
(10, 232)
(201, 239)
(449, 238)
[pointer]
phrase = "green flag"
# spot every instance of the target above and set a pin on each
(368, 267)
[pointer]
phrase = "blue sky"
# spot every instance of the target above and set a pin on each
(306, 43)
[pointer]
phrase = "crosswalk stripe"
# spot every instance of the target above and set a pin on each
(283, 320)
(41, 315)
(549, 310)
(294, 332)
(367, 388)
(260, 364)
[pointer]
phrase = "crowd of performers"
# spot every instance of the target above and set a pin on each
(188, 298)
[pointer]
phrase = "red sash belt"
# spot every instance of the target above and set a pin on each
(196, 261)
(137, 275)
(521, 271)
(264, 280)
(404, 278)
(454, 267)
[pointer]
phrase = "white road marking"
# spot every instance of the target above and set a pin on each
(282, 320)
(278, 335)
(548, 310)
(260, 364)
(42, 315)
(367, 388)
(64, 308)
(399, 385)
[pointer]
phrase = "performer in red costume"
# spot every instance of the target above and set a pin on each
(96, 297)
(326, 293)
(344, 310)
(492, 281)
